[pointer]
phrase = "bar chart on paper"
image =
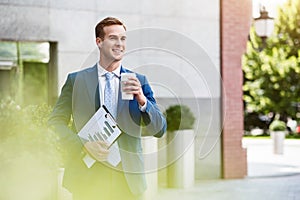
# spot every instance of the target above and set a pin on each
(103, 127)
(100, 127)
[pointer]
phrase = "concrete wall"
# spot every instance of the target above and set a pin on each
(175, 43)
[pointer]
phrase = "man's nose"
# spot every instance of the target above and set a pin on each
(119, 41)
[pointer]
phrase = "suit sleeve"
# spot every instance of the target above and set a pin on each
(153, 119)
(59, 119)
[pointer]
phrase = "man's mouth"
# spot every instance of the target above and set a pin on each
(117, 51)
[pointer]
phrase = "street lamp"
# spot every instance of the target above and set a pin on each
(264, 25)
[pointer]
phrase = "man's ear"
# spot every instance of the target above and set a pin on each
(99, 42)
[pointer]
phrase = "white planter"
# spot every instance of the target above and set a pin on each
(150, 148)
(181, 153)
(278, 141)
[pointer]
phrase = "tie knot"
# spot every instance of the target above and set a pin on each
(109, 75)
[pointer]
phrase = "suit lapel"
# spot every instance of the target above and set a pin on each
(91, 81)
(121, 103)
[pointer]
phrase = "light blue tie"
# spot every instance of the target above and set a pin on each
(109, 94)
(110, 103)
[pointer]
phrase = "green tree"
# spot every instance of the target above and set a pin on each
(271, 70)
(287, 28)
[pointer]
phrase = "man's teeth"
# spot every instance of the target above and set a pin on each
(117, 50)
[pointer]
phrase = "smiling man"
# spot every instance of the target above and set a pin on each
(81, 96)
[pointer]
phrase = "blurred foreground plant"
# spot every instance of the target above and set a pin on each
(29, 152)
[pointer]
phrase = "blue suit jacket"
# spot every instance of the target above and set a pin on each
(78, 101)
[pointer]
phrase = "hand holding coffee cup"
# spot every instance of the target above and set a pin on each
(129, 85)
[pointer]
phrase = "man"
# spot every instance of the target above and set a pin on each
(81, 96)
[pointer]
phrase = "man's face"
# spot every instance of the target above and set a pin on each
(112, 47)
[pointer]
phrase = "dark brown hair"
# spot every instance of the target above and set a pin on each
(108, 21)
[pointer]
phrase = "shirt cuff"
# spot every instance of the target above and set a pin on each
(143, 108)
(88, 160)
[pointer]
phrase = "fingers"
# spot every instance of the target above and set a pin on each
(132, 86)
(98, 150)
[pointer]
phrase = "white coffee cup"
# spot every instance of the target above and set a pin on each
(124, 78)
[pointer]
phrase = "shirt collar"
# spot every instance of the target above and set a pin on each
(102, 71)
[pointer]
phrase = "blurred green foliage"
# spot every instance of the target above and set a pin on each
(272, 69)
(29, 152)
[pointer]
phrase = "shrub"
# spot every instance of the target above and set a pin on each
(277, 125)
(179, 117)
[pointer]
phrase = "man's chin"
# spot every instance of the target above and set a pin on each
(118, 58)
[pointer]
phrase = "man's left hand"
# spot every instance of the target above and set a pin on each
(133, 86)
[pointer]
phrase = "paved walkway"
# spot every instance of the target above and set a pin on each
(275, 188)
(270, 176)
(262, 162)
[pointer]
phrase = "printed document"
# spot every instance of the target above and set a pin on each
(103, 127)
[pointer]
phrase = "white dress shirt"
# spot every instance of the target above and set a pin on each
(116, 79)
(102, 82)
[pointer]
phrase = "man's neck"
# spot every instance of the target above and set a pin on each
(110, 66)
